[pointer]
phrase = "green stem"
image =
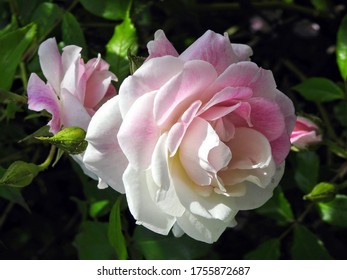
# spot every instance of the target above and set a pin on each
(49, 159)
(5, 213)
(290, 66)
(23, 75)
(298, 221)
(325, 117)
(13, 7)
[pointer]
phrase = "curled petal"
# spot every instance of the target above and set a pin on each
(96, 64)
(247, 74)
(197, 146)
(103, 150)
(165, 195)
(141, 204)
(97, 86)
(73, 71)
(258, 176)
(255, 196)
(242, 51)
(250, 149)
(178, 130)
(213, 48)
(182, 90)
(42, 97)
(51, 63)
(72, 112)
(202, 229)
(139, 133)
(200, 200)
(160, 46)
(224, 128)
(151, 76)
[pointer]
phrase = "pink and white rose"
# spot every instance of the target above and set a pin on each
(305, 133)
(74, 89)
(193, 138)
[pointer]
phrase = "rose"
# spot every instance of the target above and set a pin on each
(74, 89)
(193, 138)
(304, 133)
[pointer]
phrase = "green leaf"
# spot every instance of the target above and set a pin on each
(319, 90)
(109, 9)
(323, 192)
(307, 246)
(92, 242)
(13, 195)
(340, 113)
(135, 62)
(341, 48)
(336, 149)
(46, 16)
(268, 250)
(70, 139)
(99, 208)
(158, 247)
(43, 131)
(334, 212)
(7, 96)
(307, 170)
(277, 208)
(25, 9)
(12, 26)
(13, 45)
(115, 234)
(19, 174)
(72, 32)
(58, 157)
(123, 39)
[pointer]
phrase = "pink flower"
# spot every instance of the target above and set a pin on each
(74, 90)
(193, 138)
(304, 133)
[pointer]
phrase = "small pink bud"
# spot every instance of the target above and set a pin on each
(304, 133)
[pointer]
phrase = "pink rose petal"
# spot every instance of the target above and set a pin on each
(183, 89)
(151, 76)
(51, 63)
(139, 133)
(160, 46)
(103, 148)
(213, 48)
(42, 97)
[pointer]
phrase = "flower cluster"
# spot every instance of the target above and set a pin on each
(191, 138)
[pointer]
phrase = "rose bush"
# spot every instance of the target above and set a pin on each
(74, 89)
(193, 138)
(305, 132)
